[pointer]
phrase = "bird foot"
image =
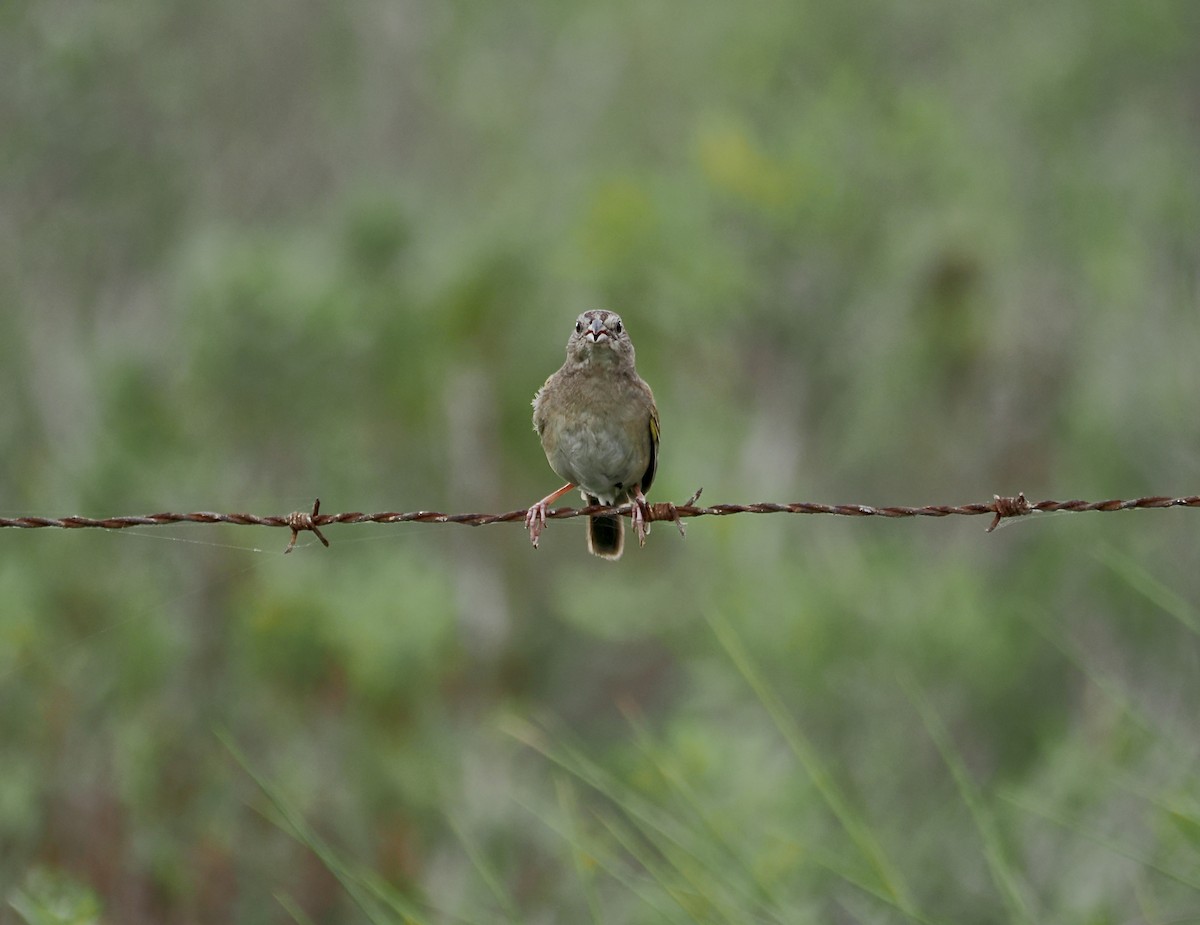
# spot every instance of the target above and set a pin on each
(641, 517)
(535, 519)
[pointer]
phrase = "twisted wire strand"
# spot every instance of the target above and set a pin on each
(1000, 507)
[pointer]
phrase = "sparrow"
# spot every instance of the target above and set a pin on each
(599, 428)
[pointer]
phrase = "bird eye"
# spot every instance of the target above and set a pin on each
(618, 327)
(578, 327)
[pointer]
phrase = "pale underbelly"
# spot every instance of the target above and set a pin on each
(599, 461)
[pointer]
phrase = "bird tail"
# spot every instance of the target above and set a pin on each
(606, 536)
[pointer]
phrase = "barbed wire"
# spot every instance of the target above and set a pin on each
(1001, 507)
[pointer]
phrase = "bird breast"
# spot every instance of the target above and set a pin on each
(602, 453)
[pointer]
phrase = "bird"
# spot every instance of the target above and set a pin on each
(599, 427)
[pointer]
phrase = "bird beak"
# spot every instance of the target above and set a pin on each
(598, 331)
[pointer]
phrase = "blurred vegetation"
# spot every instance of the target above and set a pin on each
(253, 254)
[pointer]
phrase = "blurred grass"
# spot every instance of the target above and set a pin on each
(874, 253)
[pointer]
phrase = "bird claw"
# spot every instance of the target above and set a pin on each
(640, 516)
(535, 519)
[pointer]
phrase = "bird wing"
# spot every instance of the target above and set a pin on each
(652, 466)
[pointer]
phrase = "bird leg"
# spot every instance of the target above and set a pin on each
(640, 515)
(535, 517)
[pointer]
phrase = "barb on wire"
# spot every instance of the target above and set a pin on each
(1000, 507)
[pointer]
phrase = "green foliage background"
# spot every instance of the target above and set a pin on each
(889, 253)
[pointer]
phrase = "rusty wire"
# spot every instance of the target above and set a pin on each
(1000, 507)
